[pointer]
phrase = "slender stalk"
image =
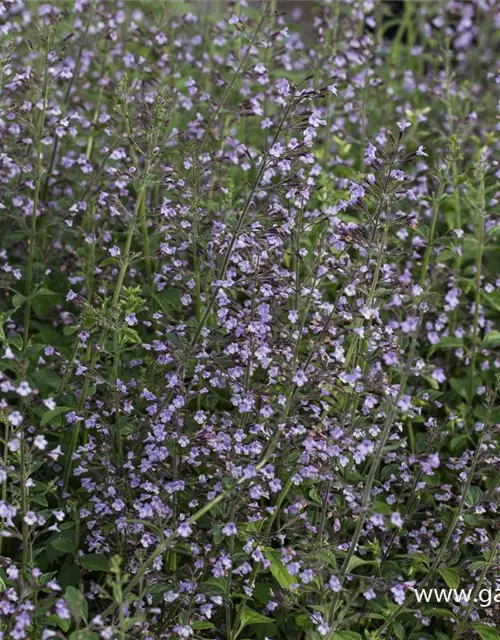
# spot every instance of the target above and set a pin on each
(449, 532)
(67, 97)
(236, 232)
(432, 230)
(371, 296)
(5, 463)
(104, 333)
(142, 206)
(36, 198)
(257, 567)
(374, 466)
(118, 448)
(473, 598)
(236, 74)
(477, 293)
(23, 479)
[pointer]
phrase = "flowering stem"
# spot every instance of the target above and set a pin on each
(67, 97)
(142, 207)
(432, 230)
(371, 297)
(257, 567)
(236, 232)
(375, 463)
(23, 479)
(104, 333)
(473, 598)
(5, 462)
(236, 74)
(36, 197)
(451, 527)
(477, 293)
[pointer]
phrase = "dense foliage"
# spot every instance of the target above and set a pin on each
(249, 319)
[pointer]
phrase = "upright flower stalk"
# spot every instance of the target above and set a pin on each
(158, 119)
(39, 129)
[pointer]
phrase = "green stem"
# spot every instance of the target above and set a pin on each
(23, 479)
(473, 599)
(36, 198)
(477, 297)
(142, 208)
(5, 463)
(257, 567)
(104, 333)
(374, 466)
(233, 79)
(449, 532)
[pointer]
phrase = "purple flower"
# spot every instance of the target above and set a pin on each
(334, 584)
(283, 87)
(229, 529)
(184, 530)
(403, 124)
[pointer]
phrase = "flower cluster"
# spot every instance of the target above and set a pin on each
(249, 319)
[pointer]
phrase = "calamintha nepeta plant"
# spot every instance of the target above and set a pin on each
(249, 319)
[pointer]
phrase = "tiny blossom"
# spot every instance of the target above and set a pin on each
(283, 87)
(71, 295)
(184, 530)
(300, 378)
(334, 584)
(229, 529)
(396, 519)
(131, 319)
(403, 124)
(30, 518)
(40, 442)
(49, 403)
(24, 389)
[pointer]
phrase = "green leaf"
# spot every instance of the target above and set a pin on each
(49, 416)
(399, 630)
(202, 624)
(62, 544)
(355, 561)
(474, 496)
(460, 386)
(346, 635)
(18, 300)
(249, 616)
(459, 443)
(77, 603)
(450, 576)
(485, 632)
(449, 342)
(278, 569)
(40, 499)
(493, 299)
(16, 341)
(441, 613)
(129, 335)
(215, 586)
(169, 299)
(491, 339)
(64, 624)
(95, 562)
(45, 300)
(47, 379)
